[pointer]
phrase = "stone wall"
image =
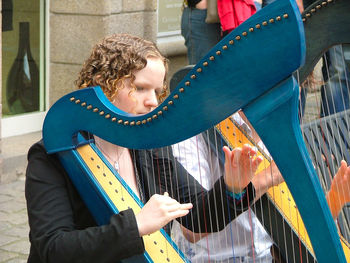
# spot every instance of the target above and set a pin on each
(75, 26)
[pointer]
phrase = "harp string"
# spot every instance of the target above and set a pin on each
(254, 139)
(190, 160)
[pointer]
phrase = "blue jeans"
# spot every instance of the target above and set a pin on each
(335, 92)
(199, 36)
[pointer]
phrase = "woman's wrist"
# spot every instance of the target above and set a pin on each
(236, 195)
(245, 197)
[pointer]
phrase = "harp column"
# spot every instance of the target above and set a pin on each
(275, 118)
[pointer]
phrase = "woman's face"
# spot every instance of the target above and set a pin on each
(149, 83)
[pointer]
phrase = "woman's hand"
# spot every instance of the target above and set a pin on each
(339, 193)
(240, 167)
(159, 211)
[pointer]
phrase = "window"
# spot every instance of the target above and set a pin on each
(23, 67)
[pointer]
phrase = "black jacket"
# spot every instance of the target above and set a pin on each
(63, 230)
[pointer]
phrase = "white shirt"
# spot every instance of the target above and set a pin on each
(234, 243)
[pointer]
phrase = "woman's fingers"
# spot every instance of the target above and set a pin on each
(159, 211)
(178, 206)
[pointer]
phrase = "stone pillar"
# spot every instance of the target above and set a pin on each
(75, 26)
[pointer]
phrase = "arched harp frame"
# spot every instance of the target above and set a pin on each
(250, 69)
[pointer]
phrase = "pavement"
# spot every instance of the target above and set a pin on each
(14, 229)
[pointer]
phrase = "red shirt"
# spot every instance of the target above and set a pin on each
(234, 12)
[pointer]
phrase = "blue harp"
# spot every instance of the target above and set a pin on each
(247, 71)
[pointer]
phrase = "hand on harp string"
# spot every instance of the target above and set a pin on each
(240, 167)
(159, 211)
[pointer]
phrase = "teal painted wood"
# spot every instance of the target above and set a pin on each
(239, 74)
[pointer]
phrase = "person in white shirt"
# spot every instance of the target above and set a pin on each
(244, 239)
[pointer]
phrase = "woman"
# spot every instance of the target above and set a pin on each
(132, 74)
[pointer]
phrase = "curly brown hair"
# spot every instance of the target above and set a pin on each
(115, 59)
